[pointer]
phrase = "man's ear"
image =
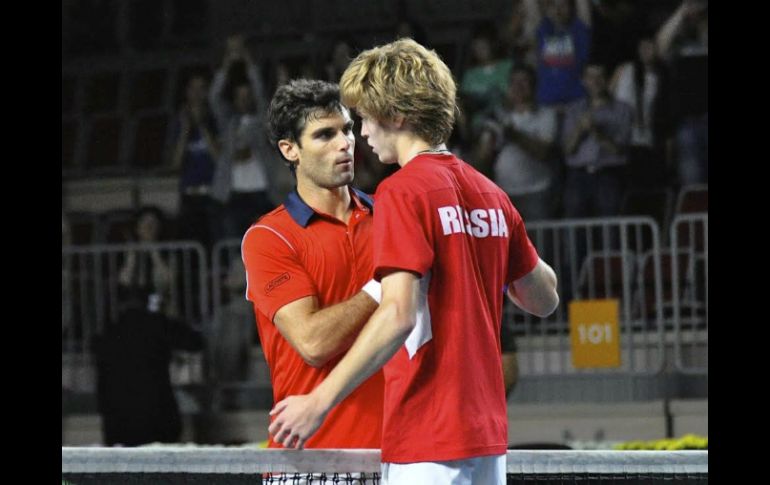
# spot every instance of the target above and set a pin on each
(289, 150)
(398, 121)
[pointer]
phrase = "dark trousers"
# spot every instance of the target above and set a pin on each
(596, 194)
(692, 139)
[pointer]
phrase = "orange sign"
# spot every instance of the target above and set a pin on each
(594, 334)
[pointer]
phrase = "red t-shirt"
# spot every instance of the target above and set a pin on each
(444, 396)
(294, 252)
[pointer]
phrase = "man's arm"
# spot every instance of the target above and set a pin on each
(665, 36)
(583, 10)
(254, 73)
(510, 371)
(319, 335)
(218, 105)
(535, 292)
(605, 140)
(615, 138)
(181, 141)
(576, 131)
(532, 145)
(297, 418)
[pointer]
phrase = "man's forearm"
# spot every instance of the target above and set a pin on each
(380, 339)
(211, 142)
(533, 146)
(332, 330)
(573, 141)
(606, 141)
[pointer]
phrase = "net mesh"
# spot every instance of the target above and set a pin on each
(228, 466)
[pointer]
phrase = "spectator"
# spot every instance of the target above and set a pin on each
(134, 394)
(520, 138)
(596, 133)
(241, 179)
(195, 151)
(144, 280)
(641, 84)
(484, 84)
(683, 42)
(563, 48)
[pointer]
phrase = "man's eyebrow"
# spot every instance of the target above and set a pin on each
(322, 130)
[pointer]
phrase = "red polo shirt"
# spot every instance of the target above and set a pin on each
(294, 252)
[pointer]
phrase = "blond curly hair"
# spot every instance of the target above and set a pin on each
(403, 78)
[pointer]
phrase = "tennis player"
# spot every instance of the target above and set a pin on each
(307, 261)
(447, 241)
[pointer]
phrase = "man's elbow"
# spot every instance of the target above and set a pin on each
(547, 306)
(315, 355)
(403, 318)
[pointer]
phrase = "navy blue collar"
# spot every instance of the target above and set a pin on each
(302, 213)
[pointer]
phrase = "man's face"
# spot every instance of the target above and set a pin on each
(595, 81)
(561, 11)
(380, 137)
(325, 151)
(147, 227)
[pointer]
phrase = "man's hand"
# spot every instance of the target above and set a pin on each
(296, 419)
(586, 122)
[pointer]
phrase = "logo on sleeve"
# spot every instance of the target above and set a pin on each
(276, 282)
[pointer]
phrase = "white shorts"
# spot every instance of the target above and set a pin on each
(483, 470)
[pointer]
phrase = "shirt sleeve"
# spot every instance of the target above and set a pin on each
(275, 275)
(402, 234)
(523, 256)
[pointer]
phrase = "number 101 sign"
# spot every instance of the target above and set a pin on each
(594, 333)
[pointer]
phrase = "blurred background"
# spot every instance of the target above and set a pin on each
(591, 114)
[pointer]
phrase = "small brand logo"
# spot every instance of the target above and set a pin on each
(276, 282)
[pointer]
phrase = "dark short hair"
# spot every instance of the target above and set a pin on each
(595, 60)
(150, 210)
(156, 212)
(295, 103)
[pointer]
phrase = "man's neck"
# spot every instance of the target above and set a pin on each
(410, 145)
(335, 202)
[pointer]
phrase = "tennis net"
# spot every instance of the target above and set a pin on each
(231, 466)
